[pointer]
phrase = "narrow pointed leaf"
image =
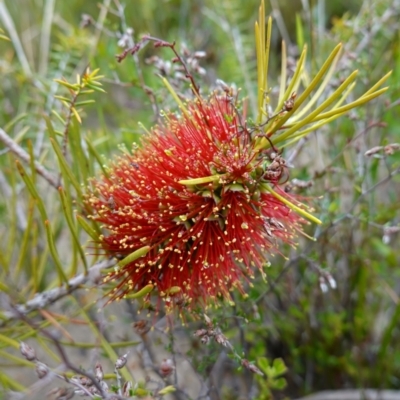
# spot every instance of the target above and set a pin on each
(134, 256)
(71, 224)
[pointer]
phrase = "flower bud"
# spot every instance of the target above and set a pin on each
(166, 368)
(207, 320)
(205, 339)
(126, 389)
(41, 370)
(251, 367)
(120, 363)
(98, 371)
(141, 327)
(221, 339)
(27, 351)
(200, 332)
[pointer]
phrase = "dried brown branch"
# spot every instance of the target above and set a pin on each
(161, 43)
(61, 351)
(44, 299)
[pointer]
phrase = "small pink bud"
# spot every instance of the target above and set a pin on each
(41, 370)
(391, 148)
(82, 380)
(166, 367)
(199, 54)
(98, 371)
(120, 363)
(289, 104)
(221, 339)
(205, 339)
(208, 320)
(27, 351)
(373, 151)
(251, 367)
(126, 389)
(141, 327)
(200, 332)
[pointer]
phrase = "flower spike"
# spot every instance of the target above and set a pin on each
(202, 204)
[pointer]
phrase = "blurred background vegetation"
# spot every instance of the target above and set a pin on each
(330, 311)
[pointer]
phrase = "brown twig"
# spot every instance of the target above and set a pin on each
(308, 249)
(44, 299)
(161, 43)
(147, 90)
(61, 351)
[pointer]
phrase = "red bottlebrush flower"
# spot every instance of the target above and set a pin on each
(195, 193)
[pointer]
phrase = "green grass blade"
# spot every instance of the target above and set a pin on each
(66, 206)
(65, 169)
(310, 118)
(23, 250)
(87, 228)
(97, 156)
(50, 240)
(80, 160)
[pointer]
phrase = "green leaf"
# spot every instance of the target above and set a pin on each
(84, 103)
(7, 340)
(95, 87)
(167, 390)
(141, 293)
(80, 160)
(66, 206)
(96, 155)
(263, 363)
(64, 99)
(199, 181)
(72, 86)
(299, 31)
(279, 366)
(61, 119)
(50, 240)
(65, 169)
(26, 238)
(87, 228)
(278, 384)
(134, 256)
(11, 383)
(14, 121)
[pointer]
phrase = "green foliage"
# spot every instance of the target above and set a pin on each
(273, 377)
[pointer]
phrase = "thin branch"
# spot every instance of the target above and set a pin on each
(161, 43)
(24, 156)
(147, 90)
(44, 299)
(290, 263)
(391, 175)
(61, 352)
